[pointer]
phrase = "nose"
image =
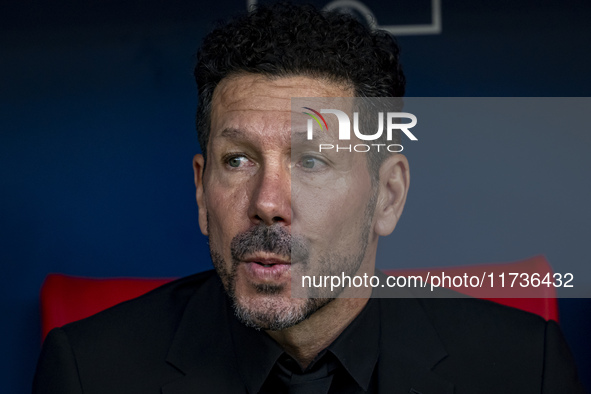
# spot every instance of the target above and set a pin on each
(271, 196)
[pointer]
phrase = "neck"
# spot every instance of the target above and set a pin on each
(305, 340)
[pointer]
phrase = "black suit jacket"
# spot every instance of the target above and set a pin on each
(176, 340)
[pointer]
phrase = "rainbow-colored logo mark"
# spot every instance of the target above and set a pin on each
(315, 118)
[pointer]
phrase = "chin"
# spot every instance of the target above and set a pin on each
(274, 311)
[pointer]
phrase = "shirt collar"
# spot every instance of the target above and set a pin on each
(256, 353)
(358, 346)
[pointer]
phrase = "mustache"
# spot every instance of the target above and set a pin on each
(271, 239)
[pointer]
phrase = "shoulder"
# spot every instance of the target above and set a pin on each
(491, 336)
(112, 350)
(502, 346)
(453, 314)
(523, 348)
(459, 316)
(136, 332)
(163, 304)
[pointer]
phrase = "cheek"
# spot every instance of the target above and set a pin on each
(334, 212)
(227, 212)
(324, 212)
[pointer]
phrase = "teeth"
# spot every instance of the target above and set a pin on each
(266, 265)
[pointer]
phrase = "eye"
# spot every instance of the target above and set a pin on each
(237, 161)
(308, 162)
(311, 163)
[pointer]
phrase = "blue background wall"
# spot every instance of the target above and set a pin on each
(97, 106)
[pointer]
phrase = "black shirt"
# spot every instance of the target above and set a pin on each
(345, 366)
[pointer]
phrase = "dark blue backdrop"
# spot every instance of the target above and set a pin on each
(97, 134)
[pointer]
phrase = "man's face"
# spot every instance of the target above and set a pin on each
(270, 208)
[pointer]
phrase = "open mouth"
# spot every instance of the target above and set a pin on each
(269, 263)
(267, 267)
(264, 265)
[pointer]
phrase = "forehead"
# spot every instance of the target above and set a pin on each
(253, 100)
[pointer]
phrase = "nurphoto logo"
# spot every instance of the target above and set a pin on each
(344, 134)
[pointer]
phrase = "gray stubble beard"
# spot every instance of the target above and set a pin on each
(271, 313)
(274, 313)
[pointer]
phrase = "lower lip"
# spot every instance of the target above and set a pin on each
(273, 272)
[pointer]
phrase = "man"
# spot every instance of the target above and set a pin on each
(273, 211)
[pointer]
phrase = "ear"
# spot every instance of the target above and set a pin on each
(198, 168)
(393, 188)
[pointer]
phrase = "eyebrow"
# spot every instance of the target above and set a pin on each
(232, 133)
(299, 135)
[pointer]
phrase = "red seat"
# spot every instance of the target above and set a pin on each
(540, 300)
(65, 298)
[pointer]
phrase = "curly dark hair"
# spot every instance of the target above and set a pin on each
(283, 39)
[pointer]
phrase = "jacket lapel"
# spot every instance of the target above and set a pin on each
(410, 348)
(202, 347)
